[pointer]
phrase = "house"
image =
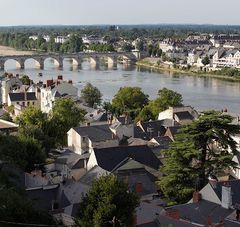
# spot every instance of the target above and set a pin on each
(9, 84)
(172, 131)
(183, 115)
(217, 204)
(150, 129)
(54, 89)
(111, 157)
(66, 165)
(20, 101)
(83, 139)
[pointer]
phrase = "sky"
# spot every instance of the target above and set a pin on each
(88, 12)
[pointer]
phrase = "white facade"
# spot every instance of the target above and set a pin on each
(83, 144)
(169, 113)
(49, 94)
(61, 39)
(8, 85)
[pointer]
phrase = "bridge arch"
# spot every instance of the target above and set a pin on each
(56, 60)
(18, 62)
(75, 61)
(38, 62)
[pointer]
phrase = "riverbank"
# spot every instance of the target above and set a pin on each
(5, 50)
(154, 64)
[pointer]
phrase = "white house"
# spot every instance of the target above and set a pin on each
(9, 84)
(183, 114)
(83, 139)
(54, 89)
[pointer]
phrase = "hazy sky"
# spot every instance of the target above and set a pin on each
(78, 12)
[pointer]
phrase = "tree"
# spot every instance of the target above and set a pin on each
(129, 99)
(206, 60)
(25, 80)
(145, 114)
(16, 207)
(201, 150)
(21, 151)
(166, 98)
(65, 115)
(32, 116)
(6, 116)
(108, 201)
(91, 95)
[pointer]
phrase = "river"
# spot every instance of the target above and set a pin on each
(200, 92)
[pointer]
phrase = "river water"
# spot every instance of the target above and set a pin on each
(199, 92)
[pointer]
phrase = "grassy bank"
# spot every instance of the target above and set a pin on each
(164, 68)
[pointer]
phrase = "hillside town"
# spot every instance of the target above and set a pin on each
(110, 144)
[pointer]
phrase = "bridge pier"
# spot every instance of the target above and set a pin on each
(95, 62)
(2, 65)
(112, 62)
(20, 63)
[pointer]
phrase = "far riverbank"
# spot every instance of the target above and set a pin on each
(151, 63)
(5, 50)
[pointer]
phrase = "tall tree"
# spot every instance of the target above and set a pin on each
(65, 115)
(202, 149)
(91, 95)
(108, 203)
(129, 99)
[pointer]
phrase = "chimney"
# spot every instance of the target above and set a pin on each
(49, 82)
(173, 213)
(226, 195)
(138, 187)
(60, 77)
(196, 197)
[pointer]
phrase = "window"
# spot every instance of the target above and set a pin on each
(28, 103)
(23, 103)
(17, 102)
(33, 103)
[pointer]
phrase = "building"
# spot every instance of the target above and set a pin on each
(9, 84)
(182, 115)
(54, 89)
(85, 138)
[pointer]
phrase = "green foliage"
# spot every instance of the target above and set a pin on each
(16, 207)
(200, 150)
(65, 115)
(25, 80)
(101, 47)
(228, 72)
(32, 116)
(91, 95)
(145, 114)
(6, 116)
(129, 99)
(127, 47)
(206, 60)
(107, 200)
(22, 151)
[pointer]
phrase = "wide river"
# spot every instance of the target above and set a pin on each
(202, 93)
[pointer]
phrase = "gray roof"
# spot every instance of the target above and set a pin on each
(15, 97)
(200, 212)
(163, 141)
(95, 133)
(184, 115)
(110, 158)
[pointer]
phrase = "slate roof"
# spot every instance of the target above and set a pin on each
(15, 97)
(199, 212)
(235, 189)
(95, 133)
(110, 158)
(163, 141)
(185, 115)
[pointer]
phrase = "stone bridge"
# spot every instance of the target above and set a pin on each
(112, 58)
